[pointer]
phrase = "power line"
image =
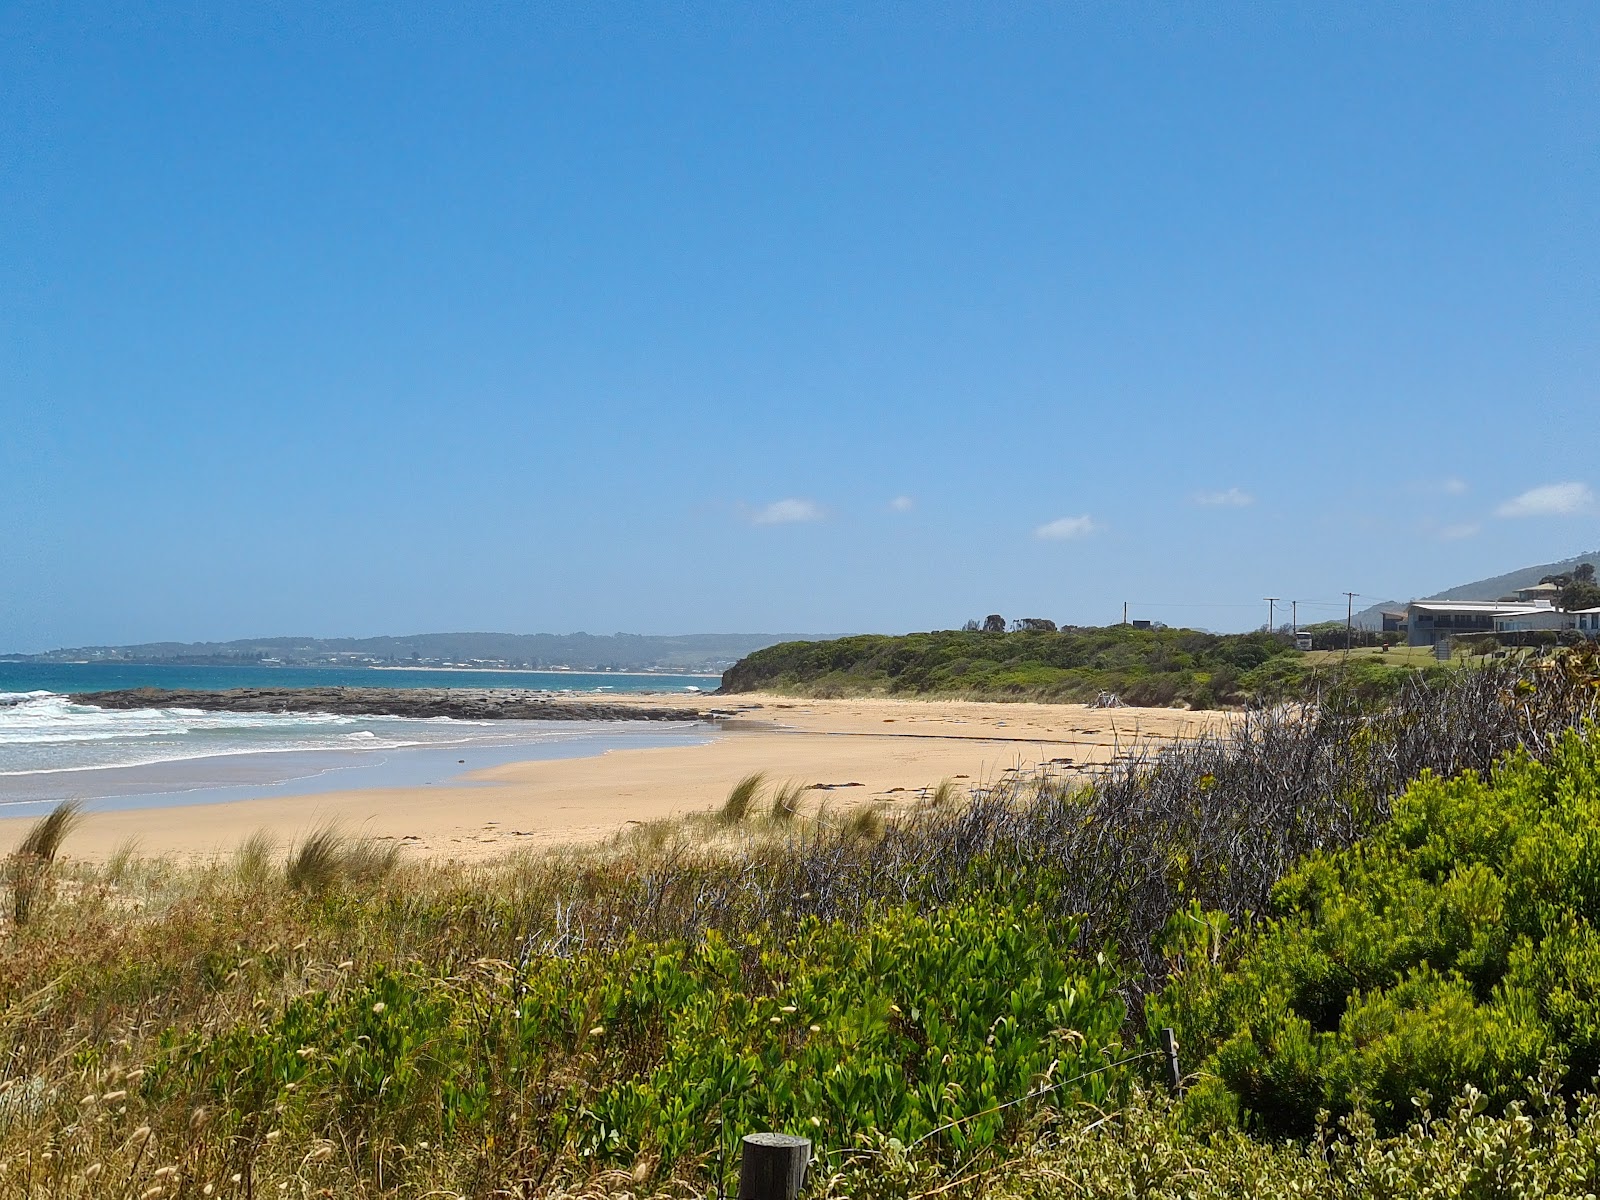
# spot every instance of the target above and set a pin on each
(1191, 604)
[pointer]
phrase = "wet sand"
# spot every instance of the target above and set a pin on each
(848, 751)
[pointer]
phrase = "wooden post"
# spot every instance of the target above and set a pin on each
(772, 1166)
(1169, 1047)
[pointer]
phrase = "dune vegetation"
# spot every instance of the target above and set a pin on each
(1370, 923)
(1154, 667)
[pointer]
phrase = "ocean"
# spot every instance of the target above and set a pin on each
(52, 749)
(106, 677)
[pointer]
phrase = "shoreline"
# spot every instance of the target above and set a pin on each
(845, 752)
(230, 775)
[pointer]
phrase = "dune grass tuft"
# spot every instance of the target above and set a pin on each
(740, 800)
(368, 861)
(327, 857)
(314, 866)
(253, 860)
(127, 850)
(28, 868)
(49, 831)
(864, 824)
(786, 801)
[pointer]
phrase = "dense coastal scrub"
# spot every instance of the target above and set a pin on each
(1141, 666)
(1454, 946)
(946, 994)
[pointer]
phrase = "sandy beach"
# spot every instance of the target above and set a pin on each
(848, 751)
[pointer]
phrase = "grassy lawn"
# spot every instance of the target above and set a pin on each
(1410, 656)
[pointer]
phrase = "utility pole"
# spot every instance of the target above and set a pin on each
(1349, 614)
(1272, 609)
(1294, 616)
(1124, 612)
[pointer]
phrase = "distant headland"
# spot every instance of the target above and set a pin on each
(686, 653)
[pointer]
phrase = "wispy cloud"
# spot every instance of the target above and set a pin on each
(1232, 498)
(1064, 528)
(788, 512)
(1456, 533)
(1551, 500)
(1448, 486)
(902, 504)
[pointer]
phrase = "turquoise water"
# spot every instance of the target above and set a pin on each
(104, 677)
(51, 748)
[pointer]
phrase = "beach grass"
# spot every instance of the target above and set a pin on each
(741, 798)
(786, 800)
(29, 868)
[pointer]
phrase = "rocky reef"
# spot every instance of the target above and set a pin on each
(474, 704)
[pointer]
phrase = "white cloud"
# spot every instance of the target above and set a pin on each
(902, 504)
(1064, 528)
(1232, 498)
(787, 512)
(1448, 486)
(1551, 500)
(1455, 533)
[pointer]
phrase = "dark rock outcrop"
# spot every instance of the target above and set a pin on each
(474, 704)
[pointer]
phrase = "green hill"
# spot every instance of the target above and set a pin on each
(580, 651)
(1142, 666)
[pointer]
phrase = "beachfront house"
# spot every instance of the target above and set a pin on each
(1543, 618)
(1538, 591)
(1586, 621)
(1429, 622)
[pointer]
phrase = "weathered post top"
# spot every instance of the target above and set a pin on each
(773, 1166)
(1169, 1047)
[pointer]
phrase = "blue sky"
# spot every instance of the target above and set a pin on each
(383, 319)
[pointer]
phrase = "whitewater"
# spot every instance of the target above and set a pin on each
(45, 733)
(53, 748)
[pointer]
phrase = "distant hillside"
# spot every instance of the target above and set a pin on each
(580, 651)
(1483, 589)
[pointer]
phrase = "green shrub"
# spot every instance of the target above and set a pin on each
(1456, 946)
(651, 1051)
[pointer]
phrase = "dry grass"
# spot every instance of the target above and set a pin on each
(28, 869)
(741, 799)
(44, 838)
(255, 859)
(327, 857)
(786, 801)
(315, 865)
(865, 824)
(122, 857)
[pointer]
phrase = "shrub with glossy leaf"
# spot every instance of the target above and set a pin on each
(1455, 946)
(907, 1024)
